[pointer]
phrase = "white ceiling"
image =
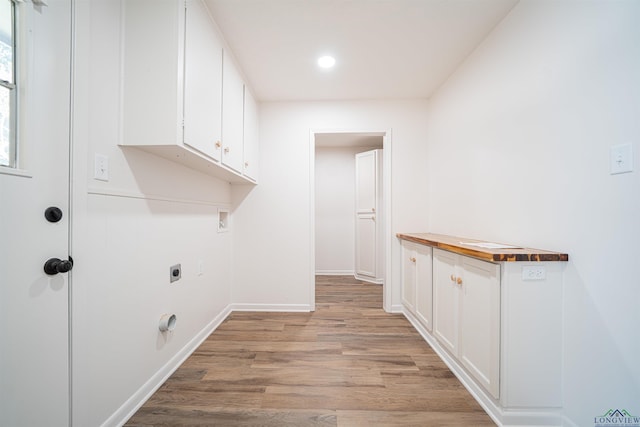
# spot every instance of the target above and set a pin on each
(383, 48)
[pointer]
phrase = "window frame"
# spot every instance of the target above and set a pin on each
(12, 87)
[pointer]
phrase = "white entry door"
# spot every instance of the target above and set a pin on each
(34, 306)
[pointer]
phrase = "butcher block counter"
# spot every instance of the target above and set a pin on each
(488, 251)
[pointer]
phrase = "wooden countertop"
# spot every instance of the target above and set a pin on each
(488, 251)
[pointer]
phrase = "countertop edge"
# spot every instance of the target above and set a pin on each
(493, 255)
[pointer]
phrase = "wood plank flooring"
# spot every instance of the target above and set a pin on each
(347, 364)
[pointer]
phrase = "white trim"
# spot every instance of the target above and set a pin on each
(566, 421)
(289, 308)
(113, 192)
(6, 170)
(312, 219)
(387, 292)
(397, 309)
(334, 273)
(369, 279)
(131, 406)
(512, 417)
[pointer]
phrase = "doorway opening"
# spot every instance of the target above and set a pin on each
(336, 226)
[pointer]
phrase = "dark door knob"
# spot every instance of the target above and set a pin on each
(54, 266)
(53, 214)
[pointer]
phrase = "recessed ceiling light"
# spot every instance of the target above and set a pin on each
(326, 61)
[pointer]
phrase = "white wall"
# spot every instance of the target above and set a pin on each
(335, 201)
(273, 224)
(126, 233)
(519, 152)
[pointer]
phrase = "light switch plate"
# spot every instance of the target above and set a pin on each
(621, 159)
(101, 167)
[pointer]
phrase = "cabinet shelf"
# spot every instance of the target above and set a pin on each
(194, 160)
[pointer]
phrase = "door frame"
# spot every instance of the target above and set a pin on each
(54, 23)
(387, 294)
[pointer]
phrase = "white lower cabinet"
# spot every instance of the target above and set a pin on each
(498, 328)
(467, 314)
(446, 300)
(417, 290)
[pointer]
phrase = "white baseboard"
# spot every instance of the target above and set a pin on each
(369, 279)
(503, 418)
(271, 307)
(129, 408)
(334, 272)
(397, 308)
(566, 421)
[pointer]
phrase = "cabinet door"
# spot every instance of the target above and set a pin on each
(152, 64)
(480, 322)
(409, 268)
(202, 82)
(446, 299)
(232, 115)
(250, 136)
(424, 286)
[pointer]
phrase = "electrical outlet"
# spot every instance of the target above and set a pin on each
(175, 273)
(534, 272)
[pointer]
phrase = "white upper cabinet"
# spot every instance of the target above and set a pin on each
(251, 153)
(153, 72)
(202, 82)
(232, 115)
(183, 98)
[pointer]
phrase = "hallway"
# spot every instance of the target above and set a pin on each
(347, 364)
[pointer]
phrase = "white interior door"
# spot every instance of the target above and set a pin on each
(34, 306)
(366, 182)
(367, 238)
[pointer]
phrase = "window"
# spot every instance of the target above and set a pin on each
(7, 84)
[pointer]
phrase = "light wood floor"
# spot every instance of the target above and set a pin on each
(347, 364)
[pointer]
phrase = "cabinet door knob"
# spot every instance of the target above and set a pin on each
(412, 259)
(246, 164)
(453, 278)
(226, 150)
(218, 144)
(459, 281)
(373, 209)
